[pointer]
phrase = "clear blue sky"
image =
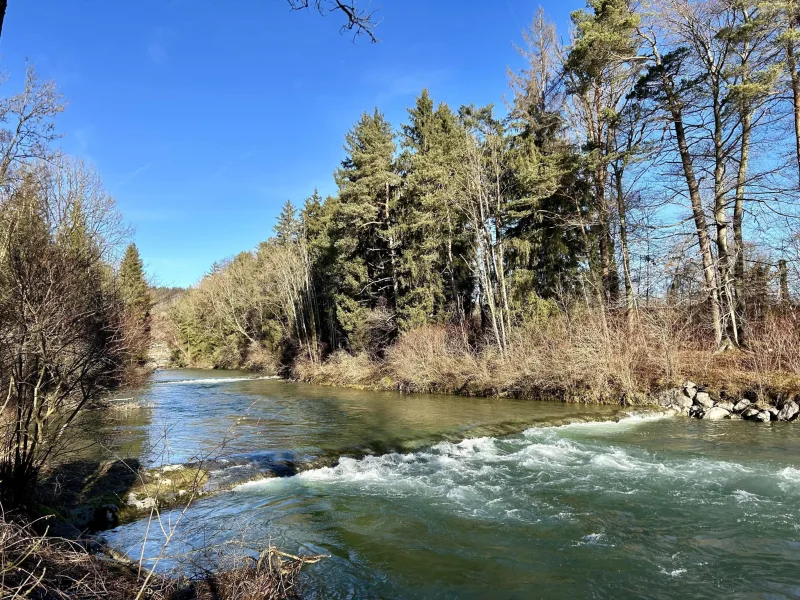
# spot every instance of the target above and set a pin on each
(204, 117)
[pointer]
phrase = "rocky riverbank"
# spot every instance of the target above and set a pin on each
(699, 402)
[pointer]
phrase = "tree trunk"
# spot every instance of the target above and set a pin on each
(390, 240)
(738, 218)
(699, 216)
(791, 64)
(721, 222)
(783, 281)
(630, 303)
(3, 6)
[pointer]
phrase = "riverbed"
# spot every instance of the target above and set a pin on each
(417, 496)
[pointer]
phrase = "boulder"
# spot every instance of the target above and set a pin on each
(696, 411)
(741, 405)
(703, 399)
(61, 529)
(750, 413)
(716, 413)
(145, 504)
(764, 416)
(670, 397)
(726, 405)
(690, 389)
(789, 410)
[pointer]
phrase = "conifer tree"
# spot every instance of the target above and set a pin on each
(435, 279)
(548, 244)
(600, 78)
(136, 298)
(365, 233)
(287, 229)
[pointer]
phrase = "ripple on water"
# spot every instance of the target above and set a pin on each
(630, 517)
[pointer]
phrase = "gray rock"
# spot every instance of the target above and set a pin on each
(703, 399)
(92, 544)
(750, 412)
(690, 389)
(670, 397)
(741, 405)
(764, 416)
(696, 411)
(734, 416)
(726, 405)
(145, 504)
(789, 410)
(62, 529)
(716, 413)
(772, 410)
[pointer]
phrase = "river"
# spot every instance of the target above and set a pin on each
(448, 497)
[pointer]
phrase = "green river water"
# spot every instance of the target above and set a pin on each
(446, 497)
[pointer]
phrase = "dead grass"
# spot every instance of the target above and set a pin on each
(274, 574)
(341, 369)
(580, 355)
(35, 566)
(43, 568)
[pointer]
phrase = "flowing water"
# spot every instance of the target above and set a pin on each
(443, 497)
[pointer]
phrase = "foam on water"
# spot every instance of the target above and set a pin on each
(499, 478)
(600, 509)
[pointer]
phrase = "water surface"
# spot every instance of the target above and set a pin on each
(646, 507)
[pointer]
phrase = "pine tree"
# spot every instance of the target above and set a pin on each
(287, 229)
(364, 232)
(435, 283)
(599, 78)
(136, 298)
(550, 191)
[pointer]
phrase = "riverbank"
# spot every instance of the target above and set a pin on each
(563, 361)
(37, 564)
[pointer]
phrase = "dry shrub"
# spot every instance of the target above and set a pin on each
(34, 566)
(341, 368)
(274, 575)
(568, 356)
(575, 356)
(775, 343)
(260, 359)
(434, 358)
(579, 354)
(43, 568)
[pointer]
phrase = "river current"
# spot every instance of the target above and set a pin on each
(445, 497)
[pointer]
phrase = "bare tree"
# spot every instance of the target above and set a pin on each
(359, 21)
(63, 337)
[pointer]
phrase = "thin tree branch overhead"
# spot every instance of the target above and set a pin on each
(359, 21)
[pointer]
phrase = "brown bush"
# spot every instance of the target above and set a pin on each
(341, 368)
(275, 575)
(580, 354)
(35, 566)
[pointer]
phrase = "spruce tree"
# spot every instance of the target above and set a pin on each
(435, 280)
(549, 185)
(136, 298)
(287, 229)
(599, 78)
(364, 230)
